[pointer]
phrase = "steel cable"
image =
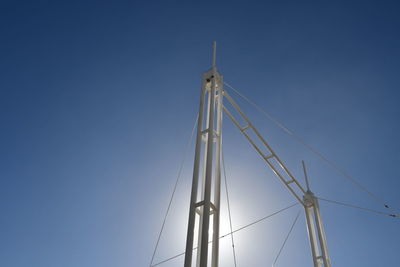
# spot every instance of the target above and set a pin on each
(286, 238)
(232, 232)
(229, 207)
(309, 147)
(358, 207)
(174, 190)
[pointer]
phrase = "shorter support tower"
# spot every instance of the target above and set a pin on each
(205, 197)
(316, 232)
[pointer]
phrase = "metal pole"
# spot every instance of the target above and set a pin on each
(311, 232)
(305, 175)
(193, 198)
(200, 209)
(321, 234)
(210, 162)
(217, 185)
(315, 227)
(214, 58)
(207, 187)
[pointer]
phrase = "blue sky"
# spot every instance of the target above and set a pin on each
(97, 101)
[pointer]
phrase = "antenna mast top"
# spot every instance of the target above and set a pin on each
(305, 175)
(214, 57)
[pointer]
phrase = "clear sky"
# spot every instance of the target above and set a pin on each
(97, 101)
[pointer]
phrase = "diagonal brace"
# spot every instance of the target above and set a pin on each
(292, 184)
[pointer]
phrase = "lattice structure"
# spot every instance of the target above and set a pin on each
(205, 197)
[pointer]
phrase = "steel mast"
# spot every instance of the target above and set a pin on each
(205, 197)
(316, 232)
(207, 166)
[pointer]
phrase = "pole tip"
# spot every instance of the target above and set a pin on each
(214, 57)
(305, 175)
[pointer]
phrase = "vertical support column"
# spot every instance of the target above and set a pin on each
(321, 234)
(207, 165)
(319, 248)
(195, 182)
(209, 175)
(200, 209)
(316, 232)
(217, 183)
(312, 234)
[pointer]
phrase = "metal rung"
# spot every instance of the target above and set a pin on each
(201, 203)
(269, 156)
(289, 182)
(245, 128)
(200, 212)
(198, 204)
(204, 131)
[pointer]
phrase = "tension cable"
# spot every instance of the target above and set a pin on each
(229, 207)
(286, 239)
(232, 232)
(310, 148)
(174, 190)
(360, 208)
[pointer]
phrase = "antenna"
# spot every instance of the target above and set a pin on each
(214, 56)
(305, 175)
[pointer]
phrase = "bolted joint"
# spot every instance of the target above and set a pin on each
(309, 199)
(210, 78)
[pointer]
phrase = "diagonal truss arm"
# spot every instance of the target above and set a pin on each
(271, 158)
(306, 198)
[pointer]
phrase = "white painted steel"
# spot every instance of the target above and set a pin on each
(315, 228)
(319, 248)
(297, 190)
(209, 138)
(209, 168)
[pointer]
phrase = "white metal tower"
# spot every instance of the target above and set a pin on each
(207, 166)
